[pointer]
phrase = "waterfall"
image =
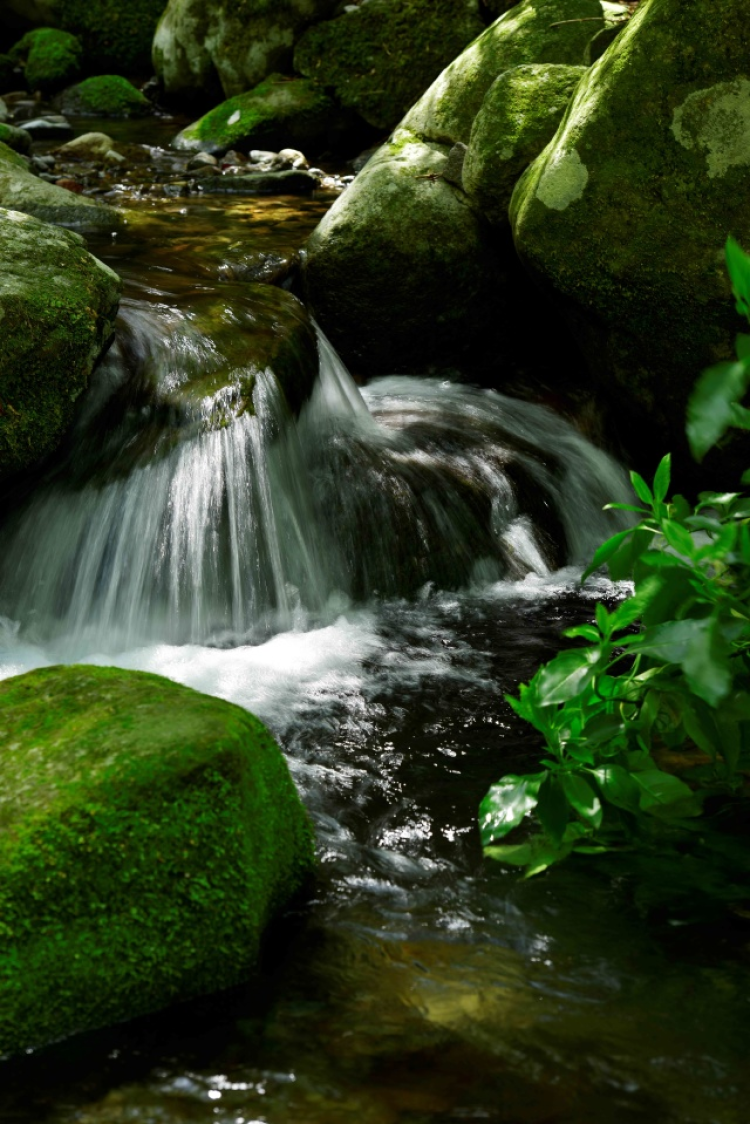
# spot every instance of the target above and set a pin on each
(229, 534)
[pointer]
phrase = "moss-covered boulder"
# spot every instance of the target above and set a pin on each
(148, 834)
(106, 95)
(278, 113)
(20, 190)
(17, 139)
(518, 117)
(380, 56)
(115, 35)
(57, 310)
(623, 217)
(532, 31)
(51, 58)
(400, 272)
(209, 46)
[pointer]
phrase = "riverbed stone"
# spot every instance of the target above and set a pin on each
(534, 31)
(380, 56)
(623, 217)
(105, 95)
(22, 191)
(400, 272)
(57, 310)
(149, 834)
(518, 117)
(206, 47)
(278, 112)
(89, 146)
(51, 58)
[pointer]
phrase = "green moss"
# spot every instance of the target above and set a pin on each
(107, 95)
(17, 139)
(52, 58)
(115, 35)
(380, 57)
(8, 156)
(57, 308)
(147, 835)
(279, 112)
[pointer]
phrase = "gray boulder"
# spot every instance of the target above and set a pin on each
(57, 308)
(20, 190)
(623, 217)
(205, 47)
(518, 117)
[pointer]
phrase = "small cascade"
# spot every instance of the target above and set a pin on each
(164, 524)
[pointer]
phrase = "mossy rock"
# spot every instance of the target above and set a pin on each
(51, 58)
(518, 117)
(534, 31)
(401, 273)
(381, 56)
(278, 113)
(210, 47)
(106, 95)
(16, 139)
(148, 834)
(20, 190)
(115, 35)
(57, 309)
(623, 217)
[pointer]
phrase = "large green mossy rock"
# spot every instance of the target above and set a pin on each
(57, 310)
(532, 31)
(51, 58)
(518, 117)
(20, 190)
(379, 57)
(114, 34)
(105, 95)
(209, 46)
(148, 834)
(624, 216)
(278, 113)
(16, 139)
(401, 273)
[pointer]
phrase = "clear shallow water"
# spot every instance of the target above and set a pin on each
(420, 983)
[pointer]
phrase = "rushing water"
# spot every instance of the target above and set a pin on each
(370, 579)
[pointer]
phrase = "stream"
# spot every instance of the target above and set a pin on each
(370, 579)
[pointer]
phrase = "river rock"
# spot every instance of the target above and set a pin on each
(534, 31)
(48, 128)
(97, 147)
(280, 111)
(17, 139)
(150, 833)
(51, 58)
(623, 217)
(206, 47)
(114, 34)
(518, 117)
(380, 56)
(57, 308)
(400, 273)
(22, 191)
(261, 183)
(107, 95)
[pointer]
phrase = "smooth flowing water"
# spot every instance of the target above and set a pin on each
(370, 579)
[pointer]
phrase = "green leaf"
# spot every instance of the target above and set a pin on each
(506, 804)
(566, 675)
(586, 631)
(738, 265)
(617, 787)
(679, 538)
(581, 796)
(605, 552)
(623, 561)
(641, 488)
(709, 412)
(660, 791)
(742, 345)
(662, 477)
(552, 808)
(706, 662)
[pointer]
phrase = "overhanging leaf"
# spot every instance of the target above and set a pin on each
(506, 804)
(709, 412)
